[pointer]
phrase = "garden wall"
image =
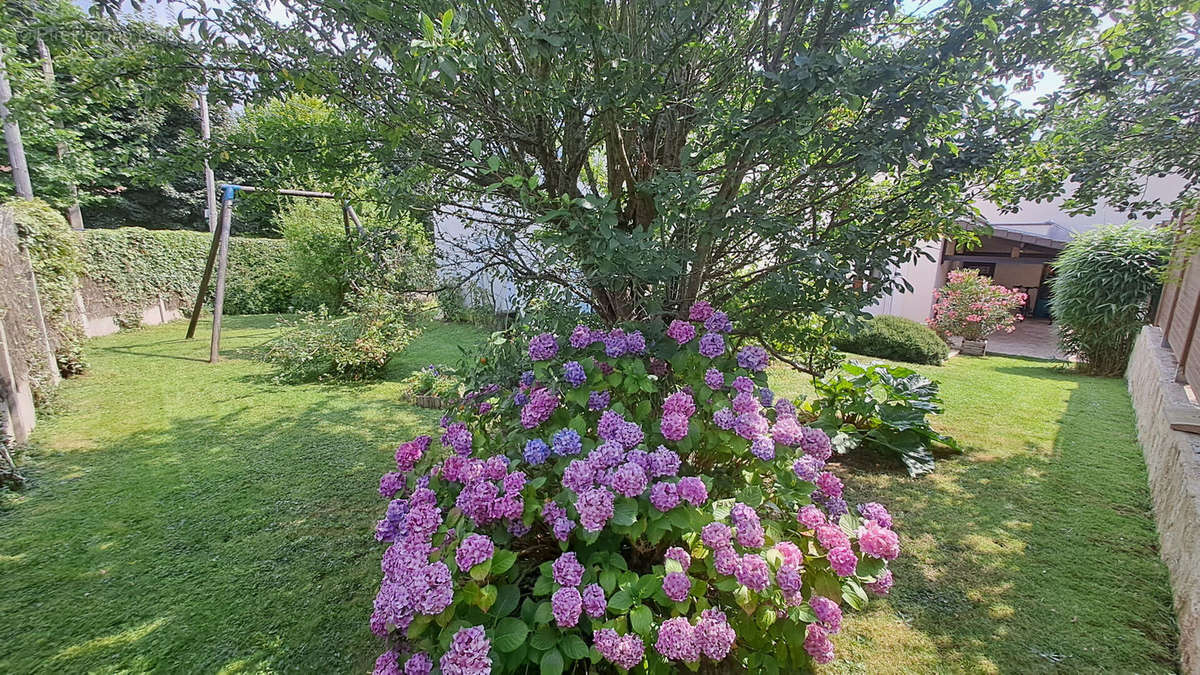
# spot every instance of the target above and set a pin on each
(25, 355)
(1164, 408)
(135, 276)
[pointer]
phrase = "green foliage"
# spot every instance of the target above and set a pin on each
(318, 248)
(895, 338)
(882, 408)
(356, 346)
(1103, 285)
(128, 132)
(432, 380)
(54, 251)
(128, 268)
(788, 155)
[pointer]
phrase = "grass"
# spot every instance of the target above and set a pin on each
(186, 517)
(1035, 550)
(193, 518)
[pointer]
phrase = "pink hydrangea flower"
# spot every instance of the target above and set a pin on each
(878, 541)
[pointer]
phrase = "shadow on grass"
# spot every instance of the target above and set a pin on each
(1042, 560)
(238, 538)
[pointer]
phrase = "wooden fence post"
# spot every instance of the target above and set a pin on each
(214, 351)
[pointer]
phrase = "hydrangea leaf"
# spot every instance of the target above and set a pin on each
(551, 663)
(509, 634)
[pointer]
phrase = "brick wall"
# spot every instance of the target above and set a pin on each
(1173, 460)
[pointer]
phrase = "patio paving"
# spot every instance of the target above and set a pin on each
(1037, 338)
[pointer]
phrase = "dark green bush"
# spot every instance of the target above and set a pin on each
(895, 338)
(1104, 282)
(131, 266)
(881, 408)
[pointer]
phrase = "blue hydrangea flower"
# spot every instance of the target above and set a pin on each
(567, 442)
(536, 451)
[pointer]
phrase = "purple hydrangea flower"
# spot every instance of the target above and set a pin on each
(579, 475)
(541, 405)
(808, 468)
(543, 347)
(712, 345)
(625, 651)
(607, 455)
(827, 611)
(716, 535)
(842, 561)
(629, 480)
(681, 331)
(581, 337)
(574, 374)
(674, 427)
(567, 570)
(677, 640)
(595, 508)
(763, 448)
(714, 635)
(831, 537)
(678, 555)
(664, 496)
(468, 653)
(725, 418)
(790, 553)
(787, 430)
(396, 510)
(567, 442)
(876, 512)
(567, 605)
(837, 507)
(753, 358)
(610, 425)
(409, 453)
(387, 664)
(693, 490)
(700, 311)
(676, 586)
(766, 397)
(743, 385)
(599, 400)
(536, 451)
(562, 528)
(750, 425)
(473, 550)
(718, 323)
(635, 342)
(727, 561)
(785, 407)
(745, 403)
(418, 664)
(829, 485)
(614, 343)
(788, 579)
(882, 584)
(433, 589)
(594, 602)
(664, 462)
(817, 644)
(391, 483)
(679, 403)
(878, 541)
(715, 379)
(816, 444)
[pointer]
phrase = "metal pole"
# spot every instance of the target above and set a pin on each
(210, 186)
(74, 215)
(222, 257)
(12, 138)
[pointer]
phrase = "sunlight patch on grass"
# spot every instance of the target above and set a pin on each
(116, 640)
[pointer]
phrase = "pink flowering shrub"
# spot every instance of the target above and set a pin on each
(973, 307)
(638, 501)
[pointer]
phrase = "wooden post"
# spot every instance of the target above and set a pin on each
(12, 138)
(200, 294)
(362, 233)
(1181, 374)
(346, 218)
(214, 351)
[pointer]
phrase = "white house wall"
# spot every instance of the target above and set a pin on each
(924, 275)
(487, 286)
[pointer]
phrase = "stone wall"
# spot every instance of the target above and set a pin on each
(1173, 460)
(26, 356)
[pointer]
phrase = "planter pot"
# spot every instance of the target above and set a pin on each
(955, 341)
(434, 402)
(973, 347)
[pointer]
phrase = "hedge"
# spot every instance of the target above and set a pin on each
(128, 268)
(895, 338)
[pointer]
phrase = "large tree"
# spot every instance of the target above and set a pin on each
(777, 158)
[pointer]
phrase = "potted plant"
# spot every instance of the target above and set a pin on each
(971, 307)
(434, 386)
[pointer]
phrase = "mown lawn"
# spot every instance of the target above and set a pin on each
(190, 518)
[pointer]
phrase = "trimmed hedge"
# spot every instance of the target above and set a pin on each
(895, 338)
(130, 267)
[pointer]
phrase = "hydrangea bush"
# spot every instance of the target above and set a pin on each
(638, 501)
